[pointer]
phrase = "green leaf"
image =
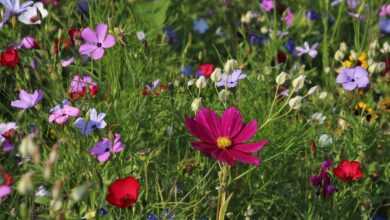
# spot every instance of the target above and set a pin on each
(151, 14)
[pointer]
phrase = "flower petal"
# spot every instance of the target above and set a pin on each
(245, 158)
(89, 35)
(246, 133)
(87, 49)
(231, 122)
(199, 131)
(101, 32)
(109, 41)
(97, 54)
(250, 148)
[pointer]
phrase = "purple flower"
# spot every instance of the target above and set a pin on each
(103, 149)
(6, 132)
(13, 7)
(384, 25)
(288, 17)
(267, 5)
(186, 70)
(385, 10)
(200, 26)
(5, 190)
(96, 41)
(28, 43)
(231, 80)
(312, 15)
(353, 78)
(290, 46)
(27, 100)
(322, 181)
(95, 121)
(307, 49)
(67, 62)
(60, 114)
(171, 35)
(353, 4)
(255, 39)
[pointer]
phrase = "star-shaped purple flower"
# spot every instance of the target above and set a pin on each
(352, 78)
(96, 41)
(103, 149)
(27, 100)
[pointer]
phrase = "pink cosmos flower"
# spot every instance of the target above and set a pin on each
(267, 5)
(288, 17)
(224, 138)
(96, 42)
(27, 100)
(103, 149)
(60, 114)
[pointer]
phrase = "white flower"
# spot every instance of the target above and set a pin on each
(318, 117)
(325, 140)
(307, 49)
(42, 192)
(248, 17)
(25, 183)
(353, 55)
(196, 104)
(141, 35)
(312, 90)
(190, 82)
(296, 102)
(323, 95)
(201, 82)
(298, 82)
(343, 47)
(33, 14)
(216, 75)
(281, 78)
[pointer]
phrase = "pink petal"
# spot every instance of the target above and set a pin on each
(109, 41)
(250, 148)
(199, 131)
(209, 119)
(244, 158)
(101, 32)
(62, 119)
(204, 147)
(118, 145)
(97, 54)
(5, 191)
(226, 156)
(71, 111)
(19, 104)
(87, 49)
(67, 62)
(246, 133)
(103, 157)
(231, 122)
(89, 35)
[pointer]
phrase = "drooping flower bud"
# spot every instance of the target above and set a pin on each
(281, 78)
(201, 82)
(298, 82)
(296, 102)
(216, 75)
(230, 65)
(196, 104)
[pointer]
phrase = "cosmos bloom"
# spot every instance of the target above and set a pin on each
(33, 14)
(267, 5)
(348, 171)
(306, 49)
(80, 85)
(322, 181)
(225, 138)
(288, 17)
(96, 41)
(352, 78)
(13, 7)
(27, 100)
(94, 121)
(60, 114)
(231, 80)
(123, 193)
(205, 70)
(200, 26)
(103, 149)
(6, 181)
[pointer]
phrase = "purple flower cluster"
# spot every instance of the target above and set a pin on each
(322, 181)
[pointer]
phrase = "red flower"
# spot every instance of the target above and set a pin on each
(123, 193)
(9, 58)
(206, 70)
(387, 68)
(348, 171)
(74, 35)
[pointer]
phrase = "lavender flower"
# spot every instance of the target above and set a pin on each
(13, 7)
(96, 41)
(200, 26)
(95, 121)
(307, 49)
(267, 5)
(27, 100)
(103, 149)
(322, 181)
(352, 78)
(231, 80)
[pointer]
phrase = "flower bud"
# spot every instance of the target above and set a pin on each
(201, 82)
(385, 48)
(298, 82)
(312, 90)
(323, 95)
(28, 43)
(296, 102)
(79, 191)
(339, 55)
(223, 95)
(230, 65)
(264, 30)
(190, 82)
(216, 75)
(25, 184)
(281, 78)
(325, 140)
(27, 148)
(343, 47)
(353, 55)
(196, 104)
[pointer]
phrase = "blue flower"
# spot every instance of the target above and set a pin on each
(171, 35)
(152, 217)
(312, 15)
(186, 70)
(102, 212)
(255, 39)
(384, 25)
(290, 46)
(200, 26)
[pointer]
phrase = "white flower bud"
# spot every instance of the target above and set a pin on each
(27, 148)
(339, 55)
(248, 16)
(223, 95)
(79, 191)
(190, 82)
(264, 30)
(385, 48)
(372, 68)
(298, 82)
(312, 90)
(353, 55)
(216, 75)
(25, 184)
(343, 47)
(323, 95)
(281, 78)
(325, 140)
(230, 65)
(201, 82)
(318, 117)
(296, 102)
(195, 105)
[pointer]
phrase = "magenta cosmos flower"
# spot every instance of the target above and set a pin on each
(224, 138)
(96, 41)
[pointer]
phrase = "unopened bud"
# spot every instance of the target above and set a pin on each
(195, 105)
(201, 82)
(216, 75)
(25, 184)
(296, 102)
(281, 78)
(298, 83)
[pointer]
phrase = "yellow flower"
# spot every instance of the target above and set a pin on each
(347, 64)
(363, 60)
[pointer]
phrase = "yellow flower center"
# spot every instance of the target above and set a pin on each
(223, 143)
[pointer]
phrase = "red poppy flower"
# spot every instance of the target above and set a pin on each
(348, 171)
(206, 70)
(9, 58)
(123, 193)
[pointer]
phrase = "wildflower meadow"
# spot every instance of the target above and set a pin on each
(195, 109)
